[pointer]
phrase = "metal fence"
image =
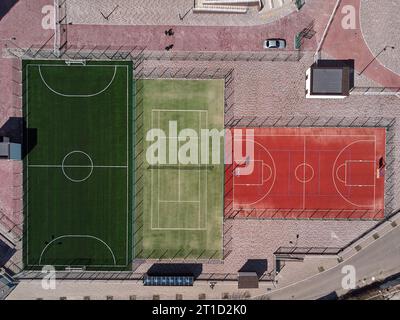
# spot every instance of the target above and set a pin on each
(281, 56)
(60, 30)
(125, 276)
(376, 91)
(143, 72)
(67, 51)
(307, 251)
(392, 163)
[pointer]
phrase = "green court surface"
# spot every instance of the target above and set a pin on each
(78, 165)
(181, 215)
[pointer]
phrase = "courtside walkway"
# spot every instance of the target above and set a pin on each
(350, 44)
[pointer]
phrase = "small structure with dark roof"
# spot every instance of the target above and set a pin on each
(248, 280)
(330, 79)
(9, 150)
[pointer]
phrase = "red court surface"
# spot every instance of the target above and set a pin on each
(306, 173)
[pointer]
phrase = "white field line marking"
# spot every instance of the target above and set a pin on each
(199, 172)
(127, 174)
(77, 95)
(199, 112)
(304, 173)
(77, 236)
(179, 174)
(81, 66)
(177, 110)
(376, 158)
(72, 166)
(27, 158)
(262, 175)
(273, 182)
(152, 186)
(345, 173)
(333, 172)
(180, 201)
(311, 210)
(27, 167)
(158, 182)
(314, 135)
(206, 194)
(358, 161)
(86, 266)
(273, 135)
(180, 229)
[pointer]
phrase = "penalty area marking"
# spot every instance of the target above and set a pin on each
(76, 95)
(77, 236)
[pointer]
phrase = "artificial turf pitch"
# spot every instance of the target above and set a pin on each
(181, 212)
(83, 203)
(78, 166)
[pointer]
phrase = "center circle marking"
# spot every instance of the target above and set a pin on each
(63, 166)
(304, 172)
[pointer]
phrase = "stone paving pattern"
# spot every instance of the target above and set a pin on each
(380, 33)
(261, 88)
(162, 12)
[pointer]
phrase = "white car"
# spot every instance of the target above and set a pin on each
(275, 44)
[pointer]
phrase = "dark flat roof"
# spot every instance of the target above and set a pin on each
(332, 77)
(327, 80)
(248, 280)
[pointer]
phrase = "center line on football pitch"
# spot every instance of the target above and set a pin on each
(72, 166)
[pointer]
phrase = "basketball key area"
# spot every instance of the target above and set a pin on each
(308, 173)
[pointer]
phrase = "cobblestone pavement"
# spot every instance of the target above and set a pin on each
(260, 89)
(208, 38)
(379, 23)
(161, 12)
(124, 290)
(349, 43)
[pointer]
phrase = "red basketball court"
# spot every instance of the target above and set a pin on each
(307, 173)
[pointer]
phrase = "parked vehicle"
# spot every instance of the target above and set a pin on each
(275, 44)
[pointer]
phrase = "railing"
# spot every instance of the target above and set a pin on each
(125, 276)
(307, 251)
(376, 91)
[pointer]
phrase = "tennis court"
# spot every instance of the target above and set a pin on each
(78, 164)
(309, 173)
(183, 202)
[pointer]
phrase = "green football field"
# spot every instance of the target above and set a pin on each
(181, 214)
(78, 167)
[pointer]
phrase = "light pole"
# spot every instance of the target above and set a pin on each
(379, 53)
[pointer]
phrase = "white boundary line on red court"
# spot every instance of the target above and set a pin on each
(348, 162)
(262, 175)
(309, 135)
(333, 173)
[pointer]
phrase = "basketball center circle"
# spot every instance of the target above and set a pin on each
(304, 172)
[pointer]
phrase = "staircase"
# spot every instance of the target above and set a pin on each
(239, 6)
(225, 6)
(273, 7)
